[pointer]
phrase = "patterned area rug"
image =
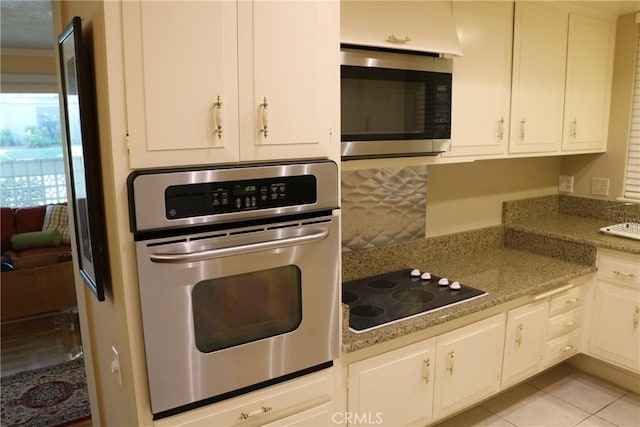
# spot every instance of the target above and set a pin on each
(52, 396)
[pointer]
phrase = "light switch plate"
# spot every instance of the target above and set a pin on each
(600, 186)
(565, 184)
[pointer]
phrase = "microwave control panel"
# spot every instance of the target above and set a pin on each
(212, 198)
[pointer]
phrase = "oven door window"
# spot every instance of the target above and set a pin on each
(388, 104)
(235, 310)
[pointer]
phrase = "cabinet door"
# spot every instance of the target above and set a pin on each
(539, 64)
(394, 388)
(180, 60)
(468, 362)
(403, 25)
(482, 79)
(524, 342)
(615, 331)
(589, 71)
(289, 78)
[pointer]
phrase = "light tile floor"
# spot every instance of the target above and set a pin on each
(560, 397)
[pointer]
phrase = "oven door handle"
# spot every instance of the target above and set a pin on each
(175, 258)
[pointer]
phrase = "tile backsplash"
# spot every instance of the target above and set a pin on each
(383, 206)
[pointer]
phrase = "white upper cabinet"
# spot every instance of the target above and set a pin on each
(225, 81)
(539, 68)
(289, 55)
(179, 59)
(481, 80)
(425, 26)
(588, 87)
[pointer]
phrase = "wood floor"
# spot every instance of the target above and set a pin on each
(37, 342)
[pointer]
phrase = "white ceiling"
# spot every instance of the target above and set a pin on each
(28, 24)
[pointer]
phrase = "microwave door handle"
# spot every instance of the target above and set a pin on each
(239, 250)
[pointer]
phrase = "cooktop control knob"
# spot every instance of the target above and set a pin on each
(425, 276)
(454, 285)
(443, 282)
(415, 273)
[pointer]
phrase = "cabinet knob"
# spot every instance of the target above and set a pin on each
(264, 118)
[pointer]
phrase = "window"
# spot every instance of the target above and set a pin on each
(31, 160)
(632, 179)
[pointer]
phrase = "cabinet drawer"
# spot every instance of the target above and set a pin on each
(621, 269)
(565, 301)
(561, 348)
(562, 324)
(262, 406)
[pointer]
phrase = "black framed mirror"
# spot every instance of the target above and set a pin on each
(83, 155)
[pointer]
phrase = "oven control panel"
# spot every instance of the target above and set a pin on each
(212, 198)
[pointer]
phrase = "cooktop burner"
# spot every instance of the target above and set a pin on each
(390, 297)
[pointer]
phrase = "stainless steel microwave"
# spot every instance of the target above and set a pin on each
(394, 104)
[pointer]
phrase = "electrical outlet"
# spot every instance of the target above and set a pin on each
(565, 184)
(600, 186)
(115, 365)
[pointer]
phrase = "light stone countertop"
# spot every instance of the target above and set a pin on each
(504, 273)
(575, 229)
(537, 250)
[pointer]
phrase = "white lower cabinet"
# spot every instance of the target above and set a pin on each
(394, 388)
(323, 415)
(524, 344)
(304, 401)
(468, 363)
(615, 322)
(565, 321)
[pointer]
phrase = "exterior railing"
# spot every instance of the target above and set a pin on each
(32, 182)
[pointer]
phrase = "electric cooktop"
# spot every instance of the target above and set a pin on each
(391, 297)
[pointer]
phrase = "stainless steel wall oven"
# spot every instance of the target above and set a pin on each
(238, 276)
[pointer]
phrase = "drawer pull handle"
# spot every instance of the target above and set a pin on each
(264, 118)
(247, 415)
(425, 370)
(217, 117)
(401, 40)
(522, 122)
(519, 330)
(568, 324)
(623, 274)
(571, 301)
(636, 318)
(450, 357)
(566, 348)
(501, 129)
